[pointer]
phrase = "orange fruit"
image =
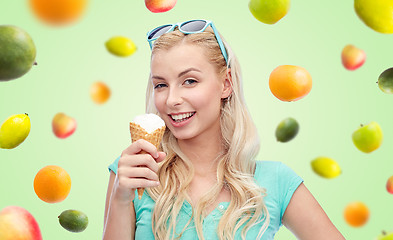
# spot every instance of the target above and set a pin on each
(57, 12)
(52, 184)
(99, 92)
(356, 214)
(290, 83)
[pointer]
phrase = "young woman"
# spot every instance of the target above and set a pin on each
(204, 181)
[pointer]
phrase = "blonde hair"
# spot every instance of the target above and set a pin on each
(236, 165)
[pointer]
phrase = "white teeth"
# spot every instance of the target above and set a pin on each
(181, 116)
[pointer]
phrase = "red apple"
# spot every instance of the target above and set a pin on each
(63, 126)
(352, 57)
(158, 6)
(389, 185)
(16, 223)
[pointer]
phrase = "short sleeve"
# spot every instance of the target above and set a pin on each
(288, 182)
(113, 166)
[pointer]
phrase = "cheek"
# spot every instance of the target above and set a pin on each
(159, 102)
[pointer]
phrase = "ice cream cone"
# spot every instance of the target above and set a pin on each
(138, 132)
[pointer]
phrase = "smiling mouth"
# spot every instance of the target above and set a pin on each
(182, 117)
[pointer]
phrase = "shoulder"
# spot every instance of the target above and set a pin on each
(113, 166)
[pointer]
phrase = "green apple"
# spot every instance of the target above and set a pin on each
(385, 236)
(377, 14)
(368, 138)
(269, 11)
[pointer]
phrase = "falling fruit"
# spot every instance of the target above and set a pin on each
(356, 214)
(368, 138)
(14, 131)
(385, 81)
(73, 220)
(63, 125)
(325, 167)
(16, 223)
(287, 129)
(120, 46)
(385, 236)
(377, 14)
(59, 12)
(389, 185)
(18, 52)
(99, 92)
(158, 6)
(290, 83)
(52, 184)
(352, 57)
(269, 11)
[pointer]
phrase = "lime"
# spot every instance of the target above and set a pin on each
(17, 52)
(325, 167)
(385, 81)
(73, 220)
(14, 131)
(287, 129)
(120, 46)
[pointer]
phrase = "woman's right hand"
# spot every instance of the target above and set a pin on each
(136, 170)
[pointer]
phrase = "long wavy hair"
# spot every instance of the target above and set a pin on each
(236, 165)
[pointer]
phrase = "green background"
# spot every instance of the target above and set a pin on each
(71, 58)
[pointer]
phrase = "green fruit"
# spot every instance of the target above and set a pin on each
(385, 81)
(325, 167)
(385, 236)
(73, 220)
(377, 14)
(14, 131)
(17, 52)
(269, 11)
(287, 129)
(120, 46)
(368, 138)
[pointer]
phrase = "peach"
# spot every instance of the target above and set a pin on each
(158, 6)
(63, 125)
(352, 57)
(389, 185)
(16, 223)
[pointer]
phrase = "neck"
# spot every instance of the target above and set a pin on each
(202, 152)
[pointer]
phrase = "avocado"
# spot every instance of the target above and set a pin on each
(287, 129)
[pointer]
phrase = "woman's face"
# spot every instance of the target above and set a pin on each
(188, 91)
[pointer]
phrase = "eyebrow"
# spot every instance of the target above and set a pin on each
(180, 74)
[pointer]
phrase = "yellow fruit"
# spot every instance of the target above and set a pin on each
(356, 214)
(100, 92)
(14, 131)
(377, 14)
(325, 167)
(120, 46)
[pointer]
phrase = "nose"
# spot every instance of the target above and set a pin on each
(174, 97)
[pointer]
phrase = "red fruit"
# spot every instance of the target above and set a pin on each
(63, 126)
(389, 185)
(16, 223)
(158, 6)
(352, 57)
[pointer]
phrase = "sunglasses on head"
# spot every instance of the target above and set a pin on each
(188, 27)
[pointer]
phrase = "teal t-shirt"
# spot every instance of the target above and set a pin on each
(280, 183)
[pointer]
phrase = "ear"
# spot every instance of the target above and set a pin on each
(227, 84)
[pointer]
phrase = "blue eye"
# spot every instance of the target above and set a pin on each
(189, 81)
(160, 85)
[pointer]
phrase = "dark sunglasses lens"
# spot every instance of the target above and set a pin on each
(193, 26)
(159, 31)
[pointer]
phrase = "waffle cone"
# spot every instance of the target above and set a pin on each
(137, 132)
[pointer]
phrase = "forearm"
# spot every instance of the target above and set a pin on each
(120, 222)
